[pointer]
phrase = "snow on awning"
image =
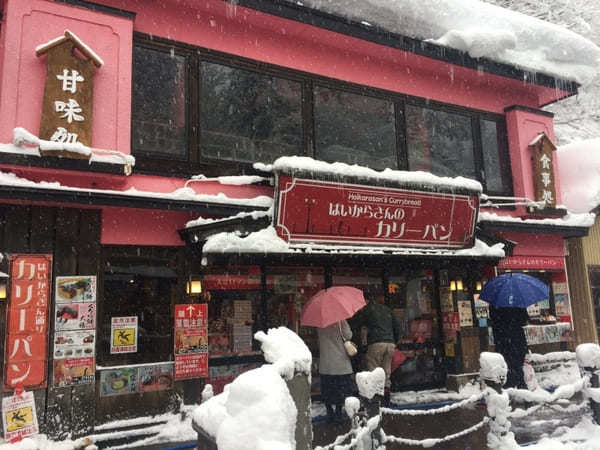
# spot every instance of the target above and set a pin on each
(182, 199)
(300, 165)
(479, 29)
(570, 225)
(265, 242)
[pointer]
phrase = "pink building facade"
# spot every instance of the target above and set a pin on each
(190, 88)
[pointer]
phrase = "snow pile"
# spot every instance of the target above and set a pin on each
(207, 393)
(351, 406)
(234, 180)
(492, 367)
(435, 396)
(286, 351)
(588, 355)
(262, 241)
(568, 220)
(480, 29)
(371, 383)
(300, 164)
(498, 407)
(256, 411)
(579, 173)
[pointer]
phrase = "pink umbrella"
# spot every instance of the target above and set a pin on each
(331, 305)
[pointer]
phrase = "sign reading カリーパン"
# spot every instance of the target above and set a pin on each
(332, 212)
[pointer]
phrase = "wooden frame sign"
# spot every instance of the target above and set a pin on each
(68, 94)
(543, 170)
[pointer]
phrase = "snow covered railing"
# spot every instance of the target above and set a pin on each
(366, 416)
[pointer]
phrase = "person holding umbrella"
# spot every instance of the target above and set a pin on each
(327, 310)
(509, 295)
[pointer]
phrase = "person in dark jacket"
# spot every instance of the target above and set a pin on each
(510, 342)
(383, 333)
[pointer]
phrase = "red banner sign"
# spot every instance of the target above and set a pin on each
(329, 212)
(532, 262)
(191, 341)
(27, 332)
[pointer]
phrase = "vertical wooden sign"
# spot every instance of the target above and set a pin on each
(68, 93)
(543, 170)
(26, 344)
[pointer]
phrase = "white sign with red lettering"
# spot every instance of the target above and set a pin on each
(19, 417)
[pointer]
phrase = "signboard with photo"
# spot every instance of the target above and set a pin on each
(157, 377)
(75, 316)
(18, 416)
(191, 341)
(123, 334)
(76, 289)
(119, 381)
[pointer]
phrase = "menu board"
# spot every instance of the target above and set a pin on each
(75, 330)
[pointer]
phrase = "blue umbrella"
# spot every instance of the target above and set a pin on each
(514, 290)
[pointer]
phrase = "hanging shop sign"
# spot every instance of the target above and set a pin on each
(27, 332)
(191, 341)
(331, 212)
(123, 334)
(532, 263)
(19, 416)
(68, 94)
(543, 170)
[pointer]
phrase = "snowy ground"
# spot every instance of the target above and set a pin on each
(566, 424)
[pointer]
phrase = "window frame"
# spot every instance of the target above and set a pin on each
(148, 162)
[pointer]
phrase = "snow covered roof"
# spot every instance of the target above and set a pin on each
(569, 220)
(579, 174)
(70, 36)
(297, 165)
(187, 194)
(479, 29)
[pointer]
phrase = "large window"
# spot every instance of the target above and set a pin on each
(355, 129)
(196, 110)
(439, 142)
(246, 116)
(159, 103)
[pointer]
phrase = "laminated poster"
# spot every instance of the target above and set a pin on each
(561, 303)
(157, 377)
(18, 416)
(123, 334)
(466, 313)
(191, 341)
(75, 316)
(72, 371)
(119, 381)
(76, 289)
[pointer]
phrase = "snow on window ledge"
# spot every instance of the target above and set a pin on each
(26, 143)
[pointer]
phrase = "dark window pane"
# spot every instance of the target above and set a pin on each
(159, 93)
(439, 142)
(145, 290)
(354, 129)
(249, 117)
(494, 159)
